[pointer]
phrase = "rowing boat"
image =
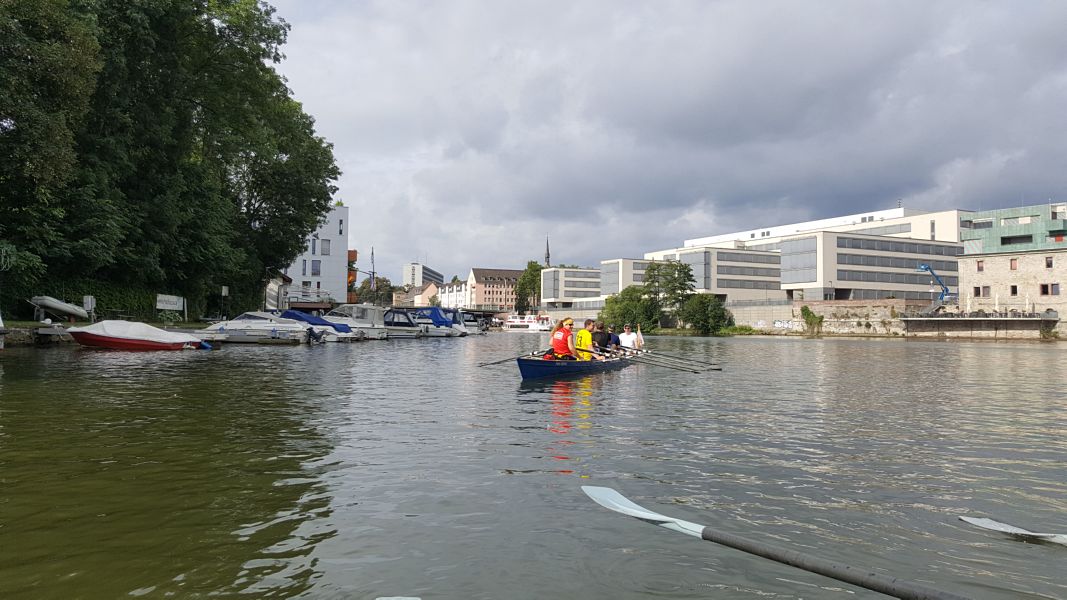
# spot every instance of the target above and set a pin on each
(537, 367)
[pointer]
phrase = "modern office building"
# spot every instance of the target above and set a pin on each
(561, 287)
(320, 274)
(731, 272)
(416, 275)
(1015, 259)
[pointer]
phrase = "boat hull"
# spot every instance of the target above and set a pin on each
(539, 368)
(116, 343)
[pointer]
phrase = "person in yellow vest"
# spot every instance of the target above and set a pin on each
(584, 342)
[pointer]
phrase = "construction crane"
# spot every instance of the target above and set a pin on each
(944, 297)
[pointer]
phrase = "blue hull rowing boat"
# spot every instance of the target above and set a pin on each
(535, 367)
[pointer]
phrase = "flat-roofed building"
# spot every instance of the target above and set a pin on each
(562, 286)
(455, 295)
(1015, 259)
(730, 271)
(416, 275)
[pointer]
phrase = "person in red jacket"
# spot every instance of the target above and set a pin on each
(563, 341)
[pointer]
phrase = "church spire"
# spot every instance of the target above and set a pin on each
(548, 255)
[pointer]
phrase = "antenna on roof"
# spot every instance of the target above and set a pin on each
(900, 203)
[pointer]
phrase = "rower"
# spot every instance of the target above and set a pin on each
(584, 343)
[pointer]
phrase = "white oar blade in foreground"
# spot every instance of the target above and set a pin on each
(992, 525)
(613, 500)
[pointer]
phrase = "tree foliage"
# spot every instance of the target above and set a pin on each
(670, 281)
(381, 295)
(706, 313)
(176, 158)
(528, 288)
(634, 305)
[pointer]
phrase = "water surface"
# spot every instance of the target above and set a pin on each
(399, 468)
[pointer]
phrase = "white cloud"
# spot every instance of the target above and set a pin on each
(467, 131)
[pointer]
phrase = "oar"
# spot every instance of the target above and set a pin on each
(644, 357)
(678, 358)
(644, 360)
(504, 360)
(865, 578)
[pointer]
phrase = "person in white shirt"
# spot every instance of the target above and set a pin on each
(629, 339)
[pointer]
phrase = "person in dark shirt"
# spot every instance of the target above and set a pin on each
(601, 337)
(615, 341)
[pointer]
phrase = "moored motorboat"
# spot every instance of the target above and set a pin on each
(130, 335)
(255, 326)
(534, 323)
(399, 324)
(319, 329)
(539, 367)
(434, 321)
(364, 318)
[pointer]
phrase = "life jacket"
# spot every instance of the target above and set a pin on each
(560, 339)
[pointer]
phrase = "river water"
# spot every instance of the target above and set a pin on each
(400, 468)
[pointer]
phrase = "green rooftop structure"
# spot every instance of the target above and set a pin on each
(1013, 230)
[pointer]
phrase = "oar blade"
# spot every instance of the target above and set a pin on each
(613, 500)
(990, 524)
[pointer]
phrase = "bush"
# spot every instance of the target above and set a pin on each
(739, 330)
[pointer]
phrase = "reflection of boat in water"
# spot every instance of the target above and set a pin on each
(257, 327)
(528, 323)
(129, 335)
(361, 317)
(538, 367)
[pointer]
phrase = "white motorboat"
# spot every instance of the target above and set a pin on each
(535, 323)
(472, 323)
(130, 335)
(436, 322)
(365, 318)
(256, 327)
(399, 324)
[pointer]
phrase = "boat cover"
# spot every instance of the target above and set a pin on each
(131, 330)
(312, 319)
(435, 315)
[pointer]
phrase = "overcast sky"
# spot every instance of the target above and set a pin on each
(469, 130)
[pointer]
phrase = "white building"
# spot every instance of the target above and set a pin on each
(455, 295)
(321, 272)
(416, 275)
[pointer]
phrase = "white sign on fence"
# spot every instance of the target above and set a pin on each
(165, 302)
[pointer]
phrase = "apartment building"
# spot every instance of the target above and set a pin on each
(493, 289)
(455, 295)
(320, 273)
(1015, 259)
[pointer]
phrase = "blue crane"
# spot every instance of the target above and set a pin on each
(946, 294)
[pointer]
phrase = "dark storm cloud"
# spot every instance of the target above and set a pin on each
(469, 130)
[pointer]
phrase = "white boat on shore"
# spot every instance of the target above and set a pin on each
(534, 323)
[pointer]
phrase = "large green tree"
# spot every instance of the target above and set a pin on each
(49, 57)
(380, 295)
(706, 313)
(634, 305)
(181, 160)
(670, 281)
(528, 288)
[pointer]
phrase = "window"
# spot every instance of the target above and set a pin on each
(305, 286)
(1014, 264)
(1014, 290)
(985, 291)
(313, 240)
(316, 268)
(324, 248)
(1048, 262)
(304, 267)
(1011, 240)
(981, 265)
(933, 230)
(1050, 289)
(340, 227)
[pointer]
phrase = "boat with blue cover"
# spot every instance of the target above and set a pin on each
(537, 367)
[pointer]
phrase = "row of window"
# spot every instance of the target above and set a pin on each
(749, 271)
(582, 274)
(895, 262)
(1013, 264)
(750, 258)
(882, 277)
(747, 284)
(1044, 289)
(581, 284)
(316, 267)
(892, 246)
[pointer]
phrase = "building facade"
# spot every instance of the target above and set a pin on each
(1015, 260)
(320, 273)
(455, 295)
(493, 289)
(414, 274)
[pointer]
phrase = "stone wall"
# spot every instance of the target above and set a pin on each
(859, 317)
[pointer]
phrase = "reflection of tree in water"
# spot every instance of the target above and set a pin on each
(572, 404)
(159, 475)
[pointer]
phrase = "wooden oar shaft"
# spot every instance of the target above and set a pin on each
(663, 356)
(864, 578)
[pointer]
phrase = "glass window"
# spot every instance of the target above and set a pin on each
(1014, 290)
(985, 291)
(981, 265)
(340, 227)
(1014, 266)
(1048, 262)
(325, 248)
(316, 268)
(313, 243)
(977, 292)
(304, 267)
